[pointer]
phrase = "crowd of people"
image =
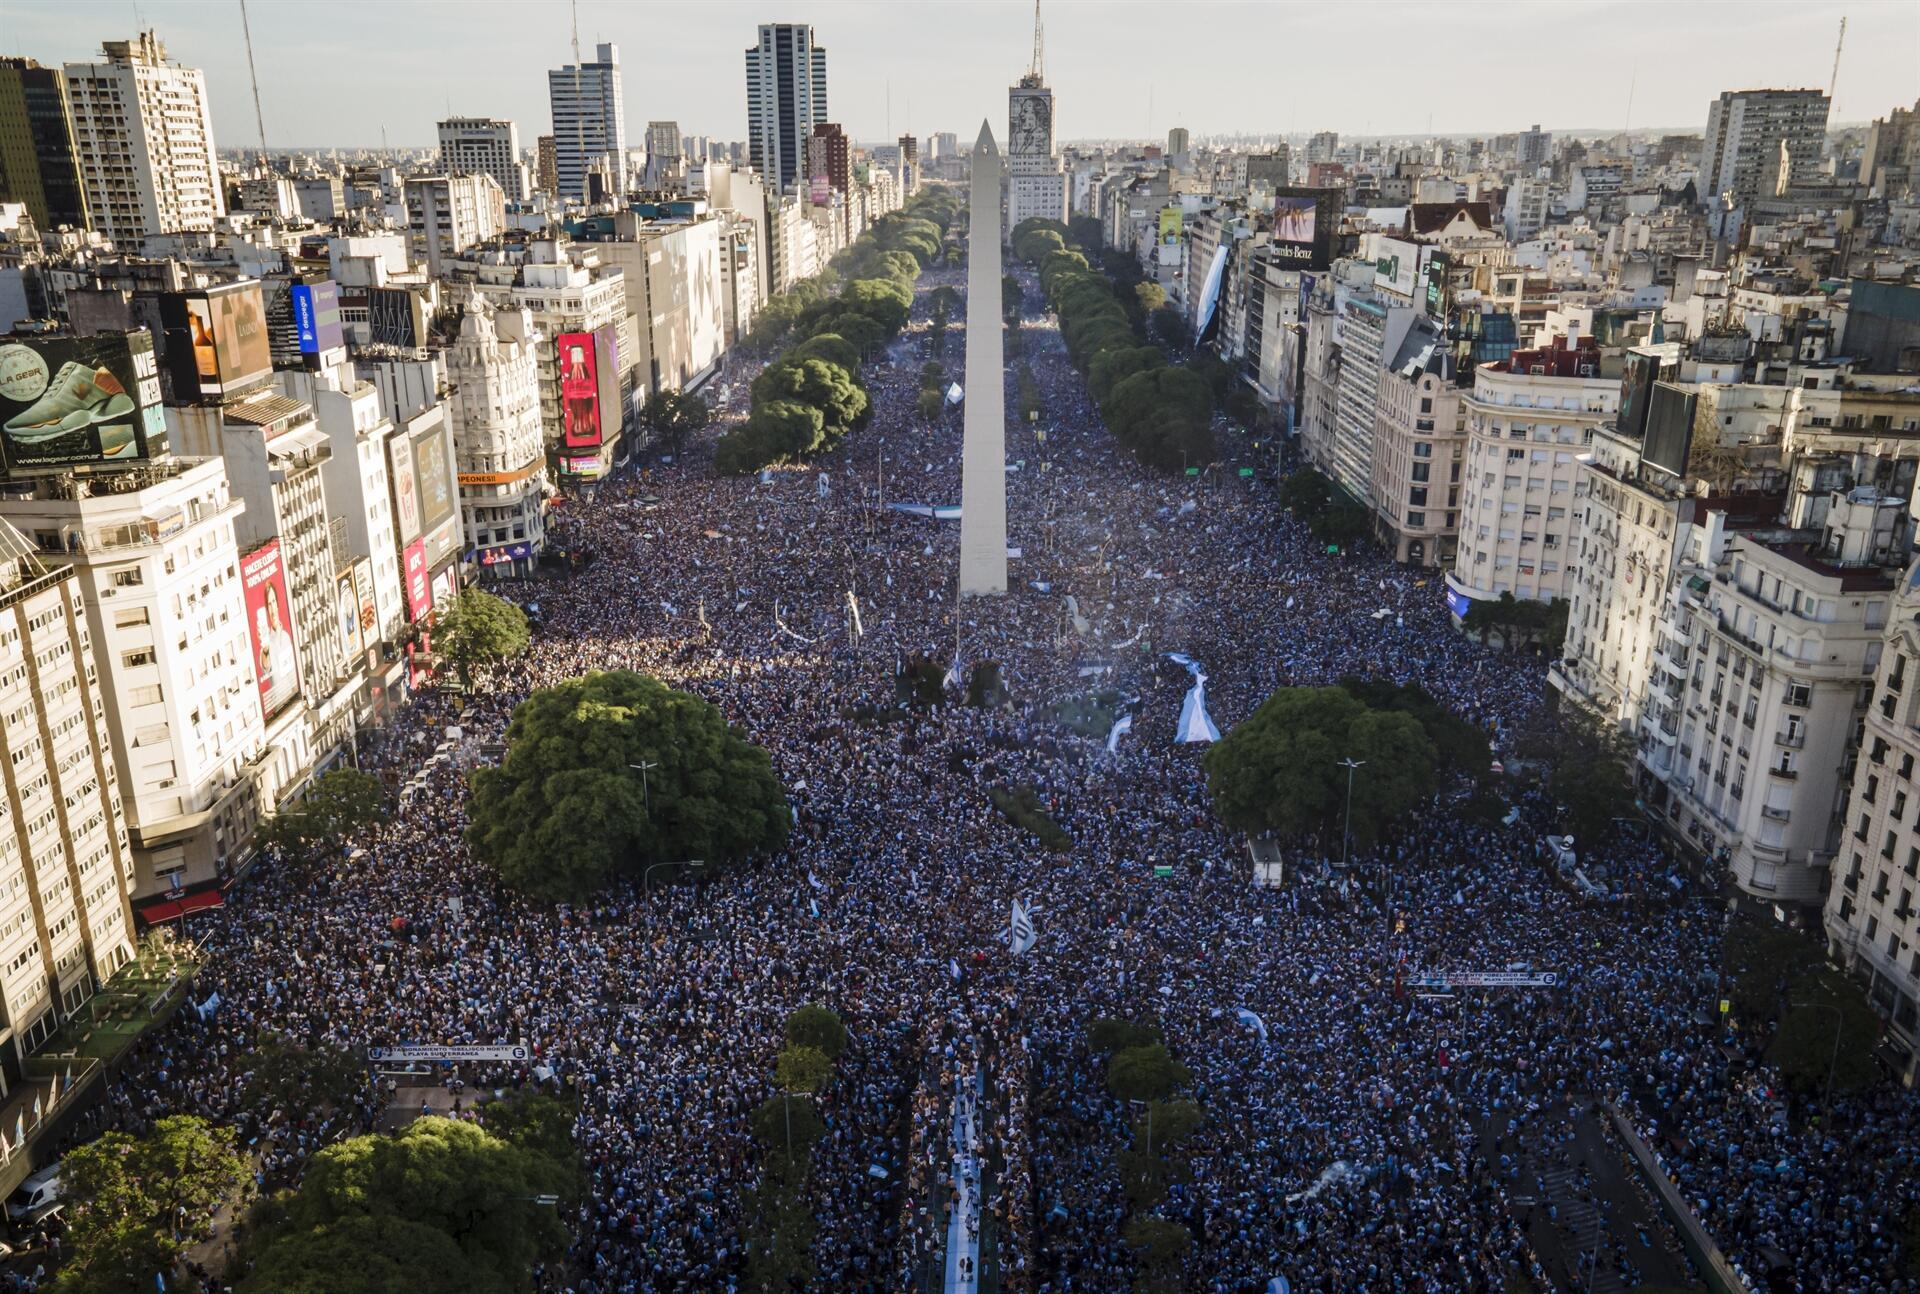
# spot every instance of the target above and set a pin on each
(1342, 1148)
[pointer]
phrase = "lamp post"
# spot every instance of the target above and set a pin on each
(645, 797)
(1346, 830)
(646, 877)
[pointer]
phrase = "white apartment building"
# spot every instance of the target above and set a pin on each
(1419, 448)
(1872, 923)
(156, 560)
(589, 121)
(1528, 204)
(1037, 184)
(494, 409)
(1763, 665)
(450, 213)
(66, 868)
(1529, 420)
(143, 133)
(1746, 131)
(486, 146)
(786, 99)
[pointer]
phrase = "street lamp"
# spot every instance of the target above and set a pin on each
(1346, 831)
(646, 877)
(645, 797)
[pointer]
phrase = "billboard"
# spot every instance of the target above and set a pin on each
(73, 400)
(216, 341)
(1637, 376)
(819, 189)
(606, 357)
(433, 478)
(1303, 228)
(579, 390)
(346, 604)
(1395, 265)
(316, 317)
(363, 592)
(1437, 294)
(1669, 427)
(406, 495)
(1170, 218)
(413, 574)
(276, 667)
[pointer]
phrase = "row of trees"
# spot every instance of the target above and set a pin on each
(1143, 1073)
(1162, 413)
(811, 396)
(1332, 516)
(610, 773)
(1282, 770)
(779, 1221)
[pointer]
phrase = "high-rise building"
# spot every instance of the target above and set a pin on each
(1890, 162)
(450, 213)
(786, 99)
(146, 131)
(494, 410)
(829, 159)
(484, 146)
(1530, 149)
(38, 165)
(1323, 146)
(589, 120)
(1746, 132)
(65, 926)
(663, 139)
(1178, 142)
(1037, 185)
(546, 174)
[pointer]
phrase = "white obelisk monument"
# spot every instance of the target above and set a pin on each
(983, 457)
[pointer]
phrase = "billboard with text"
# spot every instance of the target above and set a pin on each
(276, 666)
(413, 574)
(216, 341)
(579, 391)
(1303, 221)
(433, 478)
(316, 317)
(406, 494)
(71, 400)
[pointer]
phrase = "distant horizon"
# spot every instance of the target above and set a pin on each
(893, 70)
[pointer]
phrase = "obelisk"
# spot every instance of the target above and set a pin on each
(983, 455)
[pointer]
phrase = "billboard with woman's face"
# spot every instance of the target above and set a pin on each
(276, 666)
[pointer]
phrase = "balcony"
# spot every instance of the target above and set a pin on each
(1791, 740)
(1778, 813)
(1787, 774)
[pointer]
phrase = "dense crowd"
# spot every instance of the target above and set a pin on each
(1345, 1150)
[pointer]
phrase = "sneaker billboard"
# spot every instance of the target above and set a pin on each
(67, 401)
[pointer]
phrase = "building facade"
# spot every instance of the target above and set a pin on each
(144, 130)
(1037, 184)
(786, 99)
(589, 121)
(38, 164)
(494, 410)
(449, 213)
(485, 146)
(1747, 130)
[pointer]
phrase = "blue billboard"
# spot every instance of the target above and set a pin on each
(316, 317)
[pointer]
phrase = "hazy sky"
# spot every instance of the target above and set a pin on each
(338, 71)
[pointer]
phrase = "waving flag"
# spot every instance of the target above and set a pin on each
(1252, 1021)
(1022, 928)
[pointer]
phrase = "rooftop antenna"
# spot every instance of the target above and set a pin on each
(1039, 46)
(1633, 83)
(579, 123)
(1834, 81)
(259, 119)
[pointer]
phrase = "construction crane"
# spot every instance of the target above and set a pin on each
(259, 118)
(1834, 80)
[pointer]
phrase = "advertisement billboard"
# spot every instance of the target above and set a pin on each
(1303, 221)
(406, 496)
(1669, 436)
(819, 189)
(216, 341)
(316, 317)
(1170, 224)
(276, 667)
(1437, 294)
(414, 575)
(346, 603)
(606, 358)
(1637, 376)
(579, 390)
(73, 400)
(1395, 265)
(363, 592)
(433, 478)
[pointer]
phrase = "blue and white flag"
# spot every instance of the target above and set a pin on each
(1252, 1021)
(1121, 725)
(1022, 929)
(815, 905)
(1279, 1285)
(953, 969)
(816, 882)
(955, 394)
(1195, 725)
(822, 486)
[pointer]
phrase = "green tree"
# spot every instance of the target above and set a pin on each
(567, 809)
(675, 415)
(929, 404)
(134, 1204)
(543, 1125)
(835, 391)
(1162, 415)
(857, 328)
(1147, 1072)
(819, 1028)
(443, 1177)
(829, 346)
(1589, 772)
(1011, 296)
(368, 1255)
(887, 301)
(1086, 232)
(337, 806)
(479, 629)
(1106, 1035)
(1161, 1248)
(1170, 1123)
(1169, 328)
(775, 432)
(1150, 295)
(299, 1079)
(1460, 748)
(1279, 771)
(1111, 367)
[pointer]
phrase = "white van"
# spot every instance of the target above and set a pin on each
(36, 1196)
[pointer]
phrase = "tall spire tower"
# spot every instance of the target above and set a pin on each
(1036, 185)
(1037, 75)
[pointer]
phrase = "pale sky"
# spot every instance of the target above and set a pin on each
(335, 72)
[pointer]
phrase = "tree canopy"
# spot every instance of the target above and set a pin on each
(675, 415)
(478, 628)
(445, 1203)
(567, 810)
(1280, 770)
(337, 806)
(126, 1197)
(1163, 415)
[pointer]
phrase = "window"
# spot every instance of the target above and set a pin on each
(144, 656)
(129, 578)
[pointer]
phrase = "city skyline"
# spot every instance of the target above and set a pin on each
(890, 80)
